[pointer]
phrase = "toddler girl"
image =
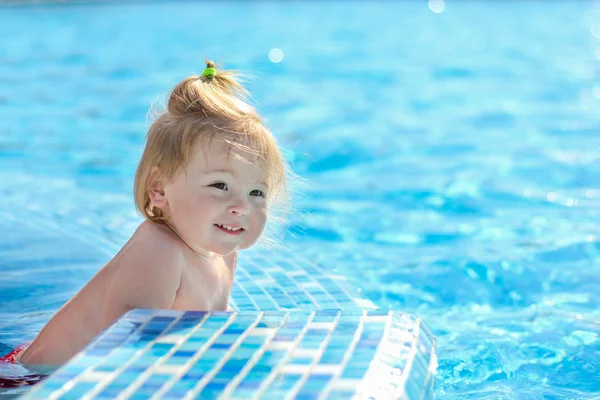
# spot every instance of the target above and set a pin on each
(208, 177)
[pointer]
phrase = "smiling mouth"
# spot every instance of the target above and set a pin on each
(229, 229)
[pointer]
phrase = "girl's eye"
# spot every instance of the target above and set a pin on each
(258, 193)
(220, 185)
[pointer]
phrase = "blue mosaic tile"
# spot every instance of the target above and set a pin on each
(388, 353)
(296, 332)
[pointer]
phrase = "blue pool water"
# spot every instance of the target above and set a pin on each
(452, 162)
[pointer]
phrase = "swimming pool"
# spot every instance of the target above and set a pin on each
(451, 158)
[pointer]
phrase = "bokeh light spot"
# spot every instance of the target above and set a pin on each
(437, 6)
(276, 55)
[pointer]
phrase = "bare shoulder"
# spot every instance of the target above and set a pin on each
(153, 246)
(153, 231)
(149, 270)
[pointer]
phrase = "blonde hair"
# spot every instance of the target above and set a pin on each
(208, 107)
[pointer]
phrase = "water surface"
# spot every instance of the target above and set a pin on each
(452, 161)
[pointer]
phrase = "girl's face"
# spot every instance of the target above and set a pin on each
(218, 203)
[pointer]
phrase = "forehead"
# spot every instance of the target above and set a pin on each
(216, 154)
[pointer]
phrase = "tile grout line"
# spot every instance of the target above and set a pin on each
(301, 286)
(285, 292)
(400, 391)
(71, 383)
(294, 390)
(262, 287)
(315, 302)
(206, 345)
(347, 356)
(282, 288)
(206, 378)
(248, 294)
(378, 350)
(117, 372)
(432, 360)
(265, 384)
(343, 289)
(175, 349)
(189, 363)
(234, 306)
(333, 300)
(285, 272)
(251, 363)
(139, 353)
(427, 380)
(266, 292)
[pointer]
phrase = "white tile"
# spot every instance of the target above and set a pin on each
(310, 284)
(325, 369)
(295, 369)
(95, 376)
(265, 282)
(378, 318)
(168, 369)
(169, 339)
(305, 353)
(296, 273)
(321, 325)
(363, 303)
(262, 332)
(280, 345)
(345, 384)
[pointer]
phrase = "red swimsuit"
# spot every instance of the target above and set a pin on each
(17, 381)
(11, 357)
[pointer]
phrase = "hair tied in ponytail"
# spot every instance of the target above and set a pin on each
(210, 70)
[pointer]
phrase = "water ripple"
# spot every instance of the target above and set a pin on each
(452, 161)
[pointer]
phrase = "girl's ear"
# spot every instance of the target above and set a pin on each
(156, 188)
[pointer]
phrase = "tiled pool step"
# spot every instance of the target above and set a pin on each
(251, 354)
(300, 330)
(282, 280)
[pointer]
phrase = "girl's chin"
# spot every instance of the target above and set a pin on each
(225, 250)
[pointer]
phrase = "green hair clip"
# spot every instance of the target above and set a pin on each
(209, 72)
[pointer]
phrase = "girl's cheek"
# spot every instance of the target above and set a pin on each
(218, 194)
(260, 203)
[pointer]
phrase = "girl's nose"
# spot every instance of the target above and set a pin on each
(239, 206)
